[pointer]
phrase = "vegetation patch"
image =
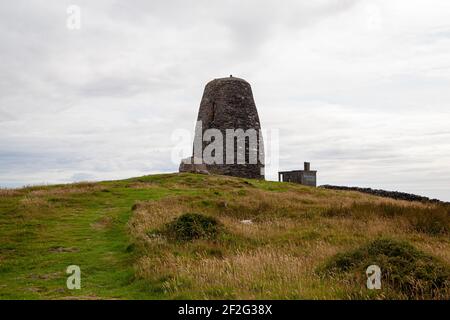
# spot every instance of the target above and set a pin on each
(405, 271)
(432, 219)
(191, 226)
(44, 229)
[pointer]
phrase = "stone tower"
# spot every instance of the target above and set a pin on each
(227, 107)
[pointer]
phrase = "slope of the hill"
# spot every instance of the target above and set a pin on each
(270, 240)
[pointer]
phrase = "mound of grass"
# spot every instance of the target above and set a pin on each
(191, 226)
(405, 271)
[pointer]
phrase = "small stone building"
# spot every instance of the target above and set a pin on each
(306, 176)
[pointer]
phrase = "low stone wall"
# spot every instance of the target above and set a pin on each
(188, 165)
(388, 194)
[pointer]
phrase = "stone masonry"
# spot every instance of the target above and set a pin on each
(228, 103)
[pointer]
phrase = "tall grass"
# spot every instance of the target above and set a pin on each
(293, 230)
(431, 219)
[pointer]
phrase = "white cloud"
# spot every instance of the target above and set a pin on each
(359, 88)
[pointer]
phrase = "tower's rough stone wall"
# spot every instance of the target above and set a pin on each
(227, 103)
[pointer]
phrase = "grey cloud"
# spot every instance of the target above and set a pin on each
(80, 176)
(366, 107)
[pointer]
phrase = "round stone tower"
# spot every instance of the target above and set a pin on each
(227, 108)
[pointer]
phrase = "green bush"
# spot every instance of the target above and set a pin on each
(191, 226)
(405, 271)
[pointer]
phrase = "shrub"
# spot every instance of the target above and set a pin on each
(406, 271)
(192, 226)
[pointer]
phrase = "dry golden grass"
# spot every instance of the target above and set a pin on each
(153, 214)
(33, 202)
(264, 272)
(142, 185)
(275, 256)
(293, 231)
(436, 247)
(9, 192)
(76, 188)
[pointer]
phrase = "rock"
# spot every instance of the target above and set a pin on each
(188, 165)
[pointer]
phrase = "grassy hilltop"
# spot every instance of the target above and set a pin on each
(197, 236)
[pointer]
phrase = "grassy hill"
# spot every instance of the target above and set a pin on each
(249, 239)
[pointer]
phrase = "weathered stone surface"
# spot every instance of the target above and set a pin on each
(188, 165)
(228, 103)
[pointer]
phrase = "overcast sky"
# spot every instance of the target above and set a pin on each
(358, 88)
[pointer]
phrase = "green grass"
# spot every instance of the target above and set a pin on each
(41, 238)
(106, 228)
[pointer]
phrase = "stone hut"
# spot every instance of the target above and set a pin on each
(227, 106)
(306, 176)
